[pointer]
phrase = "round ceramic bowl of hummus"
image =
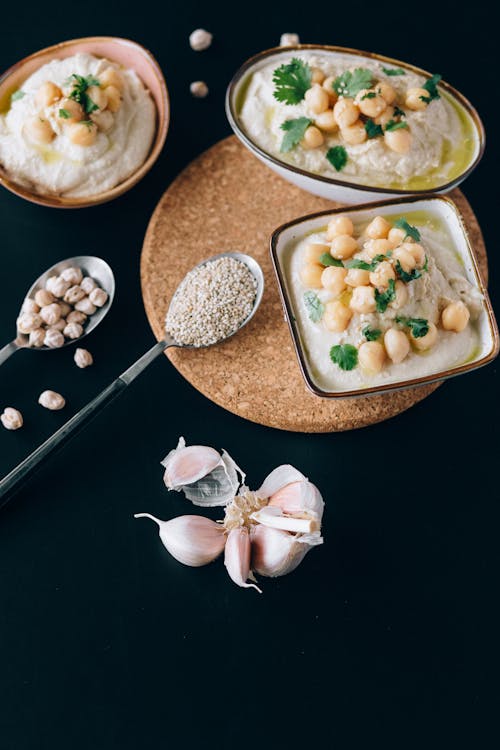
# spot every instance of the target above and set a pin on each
(81, 122)
(383, 296)
(353, 126)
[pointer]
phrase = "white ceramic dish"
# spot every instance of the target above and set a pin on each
(445, 211)
(329, 187)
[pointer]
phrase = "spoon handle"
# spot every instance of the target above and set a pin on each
(11, 483)
(7, 351)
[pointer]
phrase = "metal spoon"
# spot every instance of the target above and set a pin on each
(11, 482)
(98, 269)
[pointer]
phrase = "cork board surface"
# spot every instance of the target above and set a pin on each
(227, 200)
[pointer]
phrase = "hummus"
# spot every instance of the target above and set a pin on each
(442, 136)
(117, 135)
(440, 284)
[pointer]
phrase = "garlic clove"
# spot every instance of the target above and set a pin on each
(274, 518)
(275, 552)
(278, 478)
(192, 540)
(299, 497)
(237, 558)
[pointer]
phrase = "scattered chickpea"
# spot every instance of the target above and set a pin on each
(345, 112)
(48, 94)
(83, 358)
(74, 294)
(198, 89)
(387, 92)
(401, 295)
(98, 297)
(314, 251)
(326, 121)
(339, 225)
(333, 279)
(398, 140)
(371, 356)
(363, 300)
(382, 274)
(28, 322)
(310, 275)
(455, 317)
(38, 130)
(336, 316)
(371, 106)
(114, 98)
(200, 39)
(51, 400)
(396, 345)
(378, 228)
(50, 314)
(54, 339)
(82, 133)
(313, 138)
(405, 258)
(425, 342)
(289, 40)
(11, 418)
(111, 77)
(343, 246)
(357, 277)
(413, 98)
(354, 134)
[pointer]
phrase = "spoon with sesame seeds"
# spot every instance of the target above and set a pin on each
(211, 304)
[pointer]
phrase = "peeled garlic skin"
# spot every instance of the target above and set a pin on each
(275, 552)
(192, 540)
(237, 557)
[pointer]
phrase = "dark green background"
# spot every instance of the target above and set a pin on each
(385, 636)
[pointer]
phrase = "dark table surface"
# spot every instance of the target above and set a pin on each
(384, 636)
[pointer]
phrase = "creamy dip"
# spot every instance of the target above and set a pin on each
(62, 167)
(443, 283)
(442, 145)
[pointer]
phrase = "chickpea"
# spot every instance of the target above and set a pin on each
(371, 356)
(98, 96)
(328, 86)
(312, 253)
(28, 322)
(88, 284)
(371, 106)
(398, 140)
(11, 418)
(381, 276)
(111, 77)
(387, 92)
(396, 345)
(313, 138)
(378, 228)
(98, 297)
(427, 341)
(103, 119)
(71, 108)
(114, 98)
(310, 275)
(405, 258)
(30, 306)
(74, 275)
(83, 358)
(455, 317)
(385, 117)
(50, 314)
(74, 294)
(343, 246)
(65, 309)
(354, 134)
(317, 99)
(357, 277)
(326, 121)
(363, 300)
(36, 338)
(401, 295)
(333, 279)
(82, 133)
(47, 94)
(417, 251)
(76, 317)
(317, 75)
(38, 130)
(73, 330)
(339, 225)
(396, 236)
(43, 297)
(57, 286)
(59, 325)
(85, 306)
(377, 247)
(336, 316)
(53, 338)
(413, 100)
(51, 400)
(345, 112)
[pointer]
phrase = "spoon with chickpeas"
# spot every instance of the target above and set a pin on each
(64, 304)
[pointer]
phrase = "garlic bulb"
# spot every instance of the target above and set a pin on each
(291, 491)
(205, 476)
(192, 540)
(237, 558)
(275, 552)
(276, 519)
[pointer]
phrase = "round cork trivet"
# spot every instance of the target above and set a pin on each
(227, 200)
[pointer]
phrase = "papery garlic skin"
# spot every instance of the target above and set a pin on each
(275, 552)
(192, 540)
(237, 558)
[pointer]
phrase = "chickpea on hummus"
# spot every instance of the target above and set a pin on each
(77, 127)
(381, 302)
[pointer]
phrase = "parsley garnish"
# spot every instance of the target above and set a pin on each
(419, 326)
(79, 92)
(363, 265)
(292, 81)
(345, 356)
(294, 132)
(17, 95)
(337, 156)
(372, 129)
(369, 95)
(327, 260)
(394, 71)
(64, 114)
(399, 112)
(408, 228)
(431, 86)
(382, 299)
(314, 306)
(352, 82)
(425, 267)
(405, 276)
(393, 125)
(372, 334)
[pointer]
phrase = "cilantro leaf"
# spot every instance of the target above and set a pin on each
(337, 156)
(382, 299)
(291, 81)
(352, 82)
(64, 114)
(294, 132)
(17, 95)
(314, 306)
(372, 129)
(425, 99)
(408, 228)
(398, 112)
(369, 95)
(419, 326)
(372, 334)
(393, 125)
(345, 356)
(394, 71)
(80, 85)
(358, 263)
(405, 275)
(425, 267)
(431, 86)
(327, 260)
